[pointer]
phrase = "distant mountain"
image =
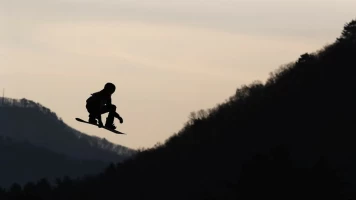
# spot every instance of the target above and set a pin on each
(25, 120)
(21, 162)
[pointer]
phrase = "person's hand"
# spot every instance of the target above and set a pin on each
(121, 120)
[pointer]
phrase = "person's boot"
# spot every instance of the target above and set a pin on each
(109, 123)
(92, 120)
(110, 126)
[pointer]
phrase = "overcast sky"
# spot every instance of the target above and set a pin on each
(167, 58)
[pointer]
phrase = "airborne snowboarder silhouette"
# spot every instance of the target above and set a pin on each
(99, 103)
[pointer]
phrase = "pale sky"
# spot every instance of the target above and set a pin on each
(167, 58)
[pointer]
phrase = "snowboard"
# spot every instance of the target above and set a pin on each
(112, 130)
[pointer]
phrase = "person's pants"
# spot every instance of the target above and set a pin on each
(95, 112)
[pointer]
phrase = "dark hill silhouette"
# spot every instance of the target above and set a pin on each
(290, 138)
(25, 120)
(22, 162)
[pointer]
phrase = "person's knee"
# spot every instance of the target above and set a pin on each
(112, 108)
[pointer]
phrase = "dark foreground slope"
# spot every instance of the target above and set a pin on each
(25, 120)
(291, 138)
(21, 162)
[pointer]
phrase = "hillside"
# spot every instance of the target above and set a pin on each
(288, 138)
(25, 120)
(22, 162)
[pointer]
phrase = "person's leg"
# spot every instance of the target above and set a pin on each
(94, 114)
(112, 113)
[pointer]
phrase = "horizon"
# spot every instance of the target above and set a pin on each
(167, 59)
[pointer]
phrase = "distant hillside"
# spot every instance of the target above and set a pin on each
(25, 120)
(21, 162)
(290, 138)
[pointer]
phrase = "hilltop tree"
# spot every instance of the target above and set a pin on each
(349, 32)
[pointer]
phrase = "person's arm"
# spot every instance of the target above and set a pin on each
(108, 103)
(116, 114)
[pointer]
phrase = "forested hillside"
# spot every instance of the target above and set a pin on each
(289, 138)
(21, 162)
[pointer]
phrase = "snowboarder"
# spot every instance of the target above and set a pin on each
(99, 103)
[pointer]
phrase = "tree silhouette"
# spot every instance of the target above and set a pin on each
(349, 32)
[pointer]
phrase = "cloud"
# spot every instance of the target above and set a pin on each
(239, 16)
(165, 47)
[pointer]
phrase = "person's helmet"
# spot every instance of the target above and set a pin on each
(110, 87)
